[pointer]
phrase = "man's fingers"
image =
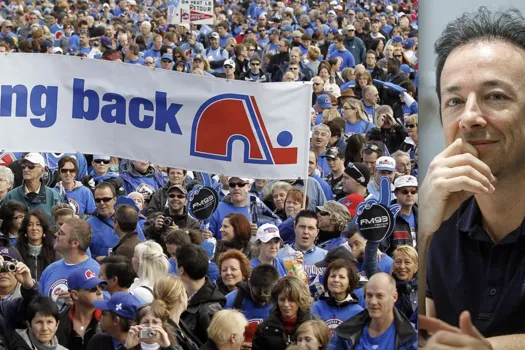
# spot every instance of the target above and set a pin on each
(433, 325)
(459, 146)
(468, 171)
(466, 326)
(452, 340)
(462, 183)
(468, 160)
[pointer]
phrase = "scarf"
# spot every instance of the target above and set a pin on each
(34, 250)
(289, 325)
(31, 340)
(146, 346)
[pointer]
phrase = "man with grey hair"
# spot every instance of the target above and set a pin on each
(403, 163)
(320, 136)
(6, 182)
(392, 133)
(380, 325)
(472, 197)
(370, 100)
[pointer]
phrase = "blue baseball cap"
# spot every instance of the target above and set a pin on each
(83, 279)
(409, 44)
(122, 304)
(324, 101)
(397, 39)
(106, 42)
(167, 56)
(406, 68)
(274, 31)
(287, 29)
(125, 200)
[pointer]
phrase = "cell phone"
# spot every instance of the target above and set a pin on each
(147, 333)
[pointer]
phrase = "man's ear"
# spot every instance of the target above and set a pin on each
(74, 295)
(28, 324)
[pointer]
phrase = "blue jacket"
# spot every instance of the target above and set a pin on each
(325, 186)
(278, 263)
(348, 334)
(44, 200)
(287, 231)
(80, 198)
(103, 237)
(334, 314)
(134, 181)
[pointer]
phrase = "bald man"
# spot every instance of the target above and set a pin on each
(380, 325)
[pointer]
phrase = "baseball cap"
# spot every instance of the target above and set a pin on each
(340, 252)
(83, 279)
(45, 45)
(106, 42)
(198, 57)
(349, 27)
(229, 62)
(57, 50)
(287, 29)
(405, 181)
(132, 2)
(336, 208)
(246, 180)
(324, 101)
(297, 34)
(332, 12)
(9, 253)
(167, 56)
(125, 200)
(214, 35)
(178, 187)
(274, 31)
(255, 58)
(122, 304)
(386, 163)
(351, 12)
(267, 232)
(334, 153)
(338, 8)
(397, 39)
(406, 68)
(352, 201)
(359, 172)
(35, 158)
(409, 44)
(101, 157)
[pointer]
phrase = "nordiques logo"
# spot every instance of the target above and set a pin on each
(226, 118)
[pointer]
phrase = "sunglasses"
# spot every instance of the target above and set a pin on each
(101, 161)
(323, 213)
(237, 184)
(179, 196)
(349, 108)
(293, 68)
(28, 165)
(102, 287)
(229, 67)
(372, 147)
(255, 64)
(405, 192)
(410, 126)
(166, 61)
(103, 199)
(317, 84)
(398, 56)
(65, 171)
(251, 50)
(149, 62)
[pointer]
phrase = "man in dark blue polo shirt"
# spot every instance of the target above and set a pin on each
(471, 200)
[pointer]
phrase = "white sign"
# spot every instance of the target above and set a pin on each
(190, 11)
(69, 104)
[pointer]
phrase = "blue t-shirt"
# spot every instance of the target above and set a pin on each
(361, 127)
(385, 341)
(278, 263)
(81, 199)
(54, 278)
(412, 222)
(139, 61)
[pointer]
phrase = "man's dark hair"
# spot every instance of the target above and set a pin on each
(119, 266)
(372, 52)
(103, 184)
(481, 26)
(339, 37)
(43, 305)
(394, 63)
(127, 217)
(177, 237)
(336, 126)
(125, 324)
(305, 213)
(164, 49)
(194, 260)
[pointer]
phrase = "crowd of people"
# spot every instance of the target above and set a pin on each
(104, 253)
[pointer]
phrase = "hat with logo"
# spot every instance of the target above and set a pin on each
(198, 57)
(287, 29)
(101, 157)
(386, 163)
(267, 232)
(83, 279)
(244, 179)
(122, 304)
(35, 158)
(214, 35)
(405, 181)
(180, 188)
(9, 253)
(352, 201)
(359, 172)
(336, 208)
(397, 39)
(409, 44)
(334, 153)
(229, 62)
(167, 56)
(324, 101)
(340, 252)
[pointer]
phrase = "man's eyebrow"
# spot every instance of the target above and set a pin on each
(494, 83)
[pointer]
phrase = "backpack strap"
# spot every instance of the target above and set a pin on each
(239, 300)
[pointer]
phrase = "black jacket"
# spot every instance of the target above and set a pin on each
(201, 308)
(270, 334)
(392, 138)
(66, 335)
(243, 247)
(401, 235)
(185, 339)
(90, 183)
(262, 77)
(157, 201)
(210, 345)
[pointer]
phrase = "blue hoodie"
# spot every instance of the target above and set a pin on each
(332, 314)
(135, 182)
(80, 198)
(325, 186)
(104, 237)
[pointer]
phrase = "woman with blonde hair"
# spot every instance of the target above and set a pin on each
(170, 290)
(312, 58)
(150, 264)
(330, 114)
(293, 303)
(226, 331)
(356, 119)
(313, 335)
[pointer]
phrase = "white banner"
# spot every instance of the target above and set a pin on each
(51, 103)
(190, 11)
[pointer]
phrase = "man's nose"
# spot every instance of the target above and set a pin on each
(472, 116)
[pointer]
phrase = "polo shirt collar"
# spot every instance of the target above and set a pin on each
(307, 252)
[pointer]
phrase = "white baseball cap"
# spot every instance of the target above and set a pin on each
(229, 62)
(405, 181)
(386, 164)
(267, 232)
(246, 180)
(35, 158)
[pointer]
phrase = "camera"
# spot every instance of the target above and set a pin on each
(168, 221)
(147, 333)
(8, 266)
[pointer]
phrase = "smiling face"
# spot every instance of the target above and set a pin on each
(227, 231)
(404, 267)
(482, 101)
(380, 297)
(231, 272)
(68, 173)
(34, 231)
(177, 200)
(338, 283)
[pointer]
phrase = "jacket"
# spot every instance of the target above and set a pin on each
(392, 138)
(262, 77)
(243, 247)
(402, 234)
(20, 341)
(210, 345)
(185, 339)
(66, 335)
(201, 308)
(91, 180)
(126, 245)
(44, 200)
(270, 334)
(333, 313)
(36, 264)
(135, 181)
(357, 48)
(157, 202)
(348, 334)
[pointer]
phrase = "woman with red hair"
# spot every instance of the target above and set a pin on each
(236, 234)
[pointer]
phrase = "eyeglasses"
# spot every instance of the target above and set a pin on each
(371, 147)
(179, 196)
(410, 126)
(148, 62)
(28, 165)
(237, 184)
(405, 192)
(65, 171)
(255, 64)
(398, 56)
(317, 84)
(101, 161)
(103, 199)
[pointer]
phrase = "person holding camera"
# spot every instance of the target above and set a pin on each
(10, 287)
(152, 330)
(175, 214)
